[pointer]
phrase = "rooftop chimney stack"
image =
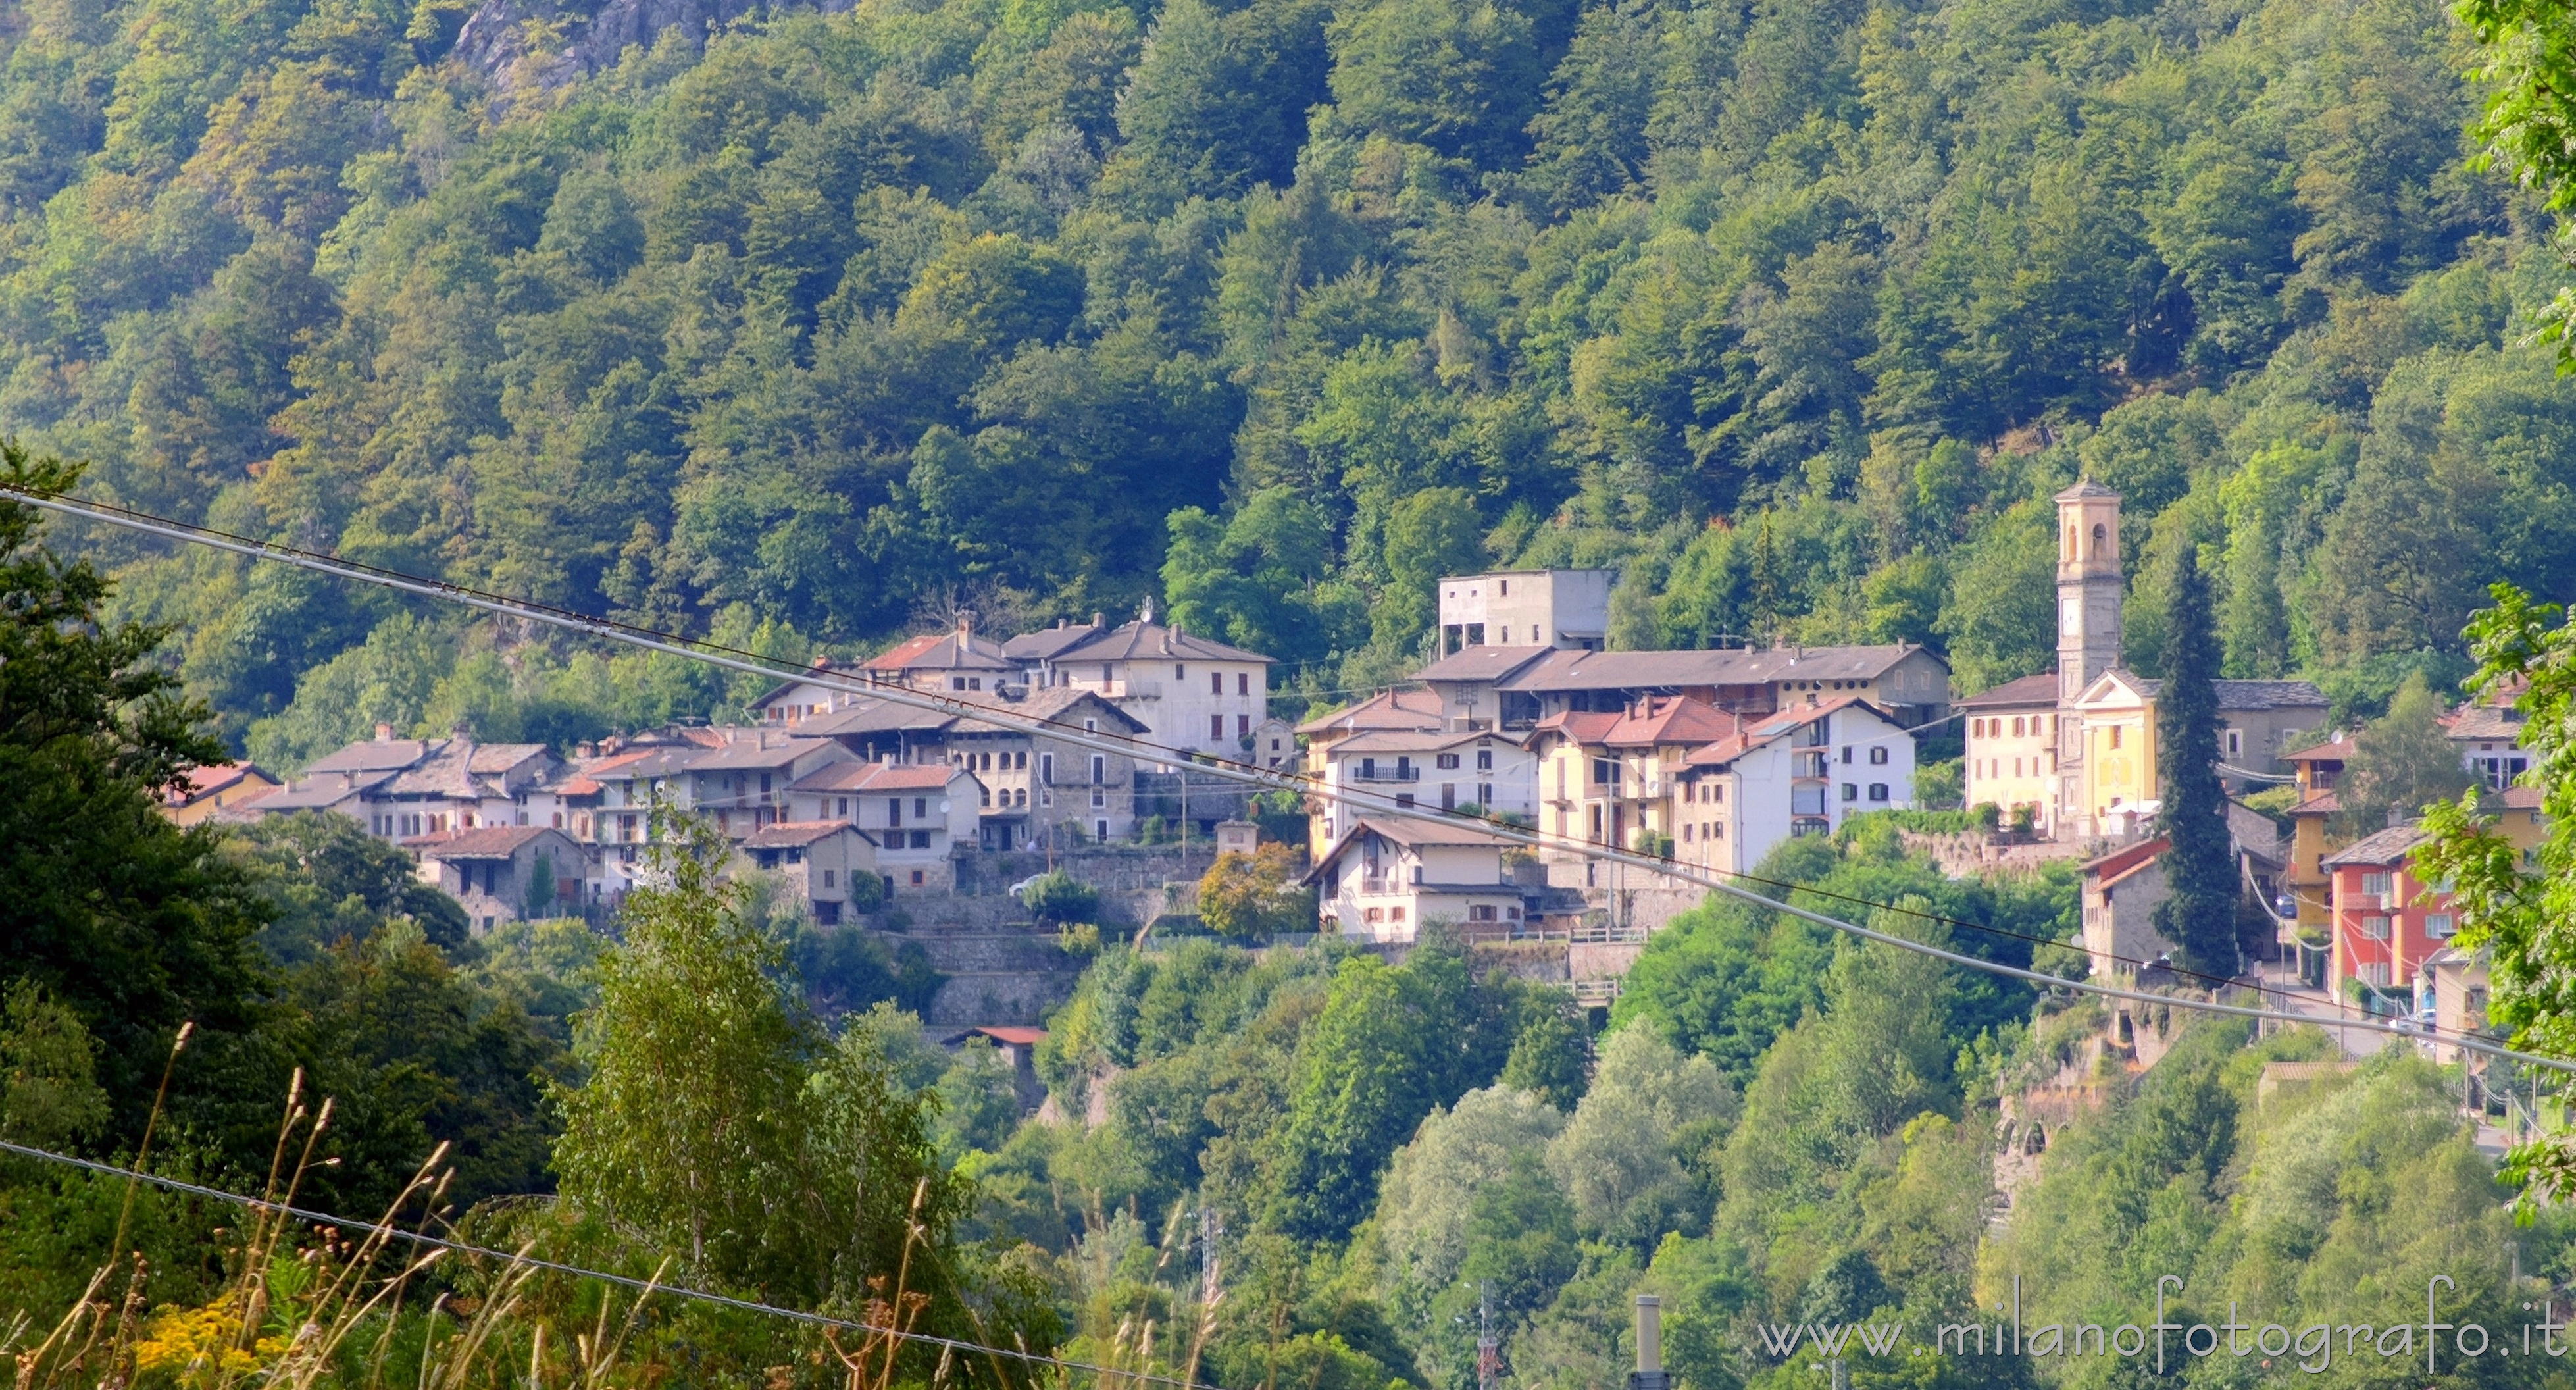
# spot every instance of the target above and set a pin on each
(1650, 1373)
(384, 733)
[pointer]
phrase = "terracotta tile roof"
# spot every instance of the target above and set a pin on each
(1012, 1034)
(207, 780)
(1582, 726)
(1673, 721)
(2120, 862)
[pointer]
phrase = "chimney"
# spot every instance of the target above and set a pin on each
(461, 731)
(1650, 1374)
(1100, 620)
(384, 733)
(585, 750)
(1145, 614)
(965, 627)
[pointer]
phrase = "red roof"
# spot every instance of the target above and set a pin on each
(2119, 863)
(1393, 709)
(1670, 720)
(1582, 726)
(211, 778)
(1011, 1033)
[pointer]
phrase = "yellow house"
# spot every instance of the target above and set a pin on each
(2012, 748)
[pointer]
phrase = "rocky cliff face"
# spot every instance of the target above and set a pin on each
(549, 43)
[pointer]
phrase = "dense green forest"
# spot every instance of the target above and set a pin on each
(1275, 309)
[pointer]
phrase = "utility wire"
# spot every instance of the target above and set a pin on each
(555, 1266)
(1377, 803)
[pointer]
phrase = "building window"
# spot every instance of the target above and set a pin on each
(1099, 799)
(1216, 727)
(1046, 768)
(920, 807)
(1878, 791)
(2115, 736)
(2375, 927)
(2375, 885)
(1243, 682)
(1179, 672)
(1447, 762)
(1687, 828)
(1482, 912)
(828, 876)
(2439, 925)
(1395, 914)
(1243, 726)
(916, 878)
(1100, 830)
(2235, 742)
(1374, 915)
(921, 839)
(1484, 760)
(1878, 756)
(1099, 769)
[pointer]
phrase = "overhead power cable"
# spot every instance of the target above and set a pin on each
(680, 1291)
(1372, 803)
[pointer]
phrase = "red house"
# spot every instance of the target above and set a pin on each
(2382, 934)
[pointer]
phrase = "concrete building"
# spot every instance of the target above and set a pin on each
(2119, 895)
(1191, 694)
(505, 873)
(1384, 879)
(1514, 688)
(2012, 742)
(1526, 608)
(1802, 771)
(1497, 773)
(820, 860)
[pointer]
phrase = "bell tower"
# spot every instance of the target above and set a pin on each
(2088, 586)
(2088, 629)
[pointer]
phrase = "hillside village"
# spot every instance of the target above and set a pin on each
(1709, 758)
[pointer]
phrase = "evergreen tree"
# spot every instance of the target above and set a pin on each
(2399, 763)
(2200, 916)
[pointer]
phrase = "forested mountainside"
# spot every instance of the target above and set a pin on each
(1275, 310)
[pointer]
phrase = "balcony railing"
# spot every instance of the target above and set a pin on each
(1377, 885)
(1385, 774)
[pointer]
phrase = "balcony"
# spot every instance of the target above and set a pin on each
(1816, 764)
(1377, 885)
(1358, 773)
(1806, 801)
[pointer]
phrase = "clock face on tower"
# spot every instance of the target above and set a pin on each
(2070, 613)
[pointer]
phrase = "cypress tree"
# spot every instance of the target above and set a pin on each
(2200, 915)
